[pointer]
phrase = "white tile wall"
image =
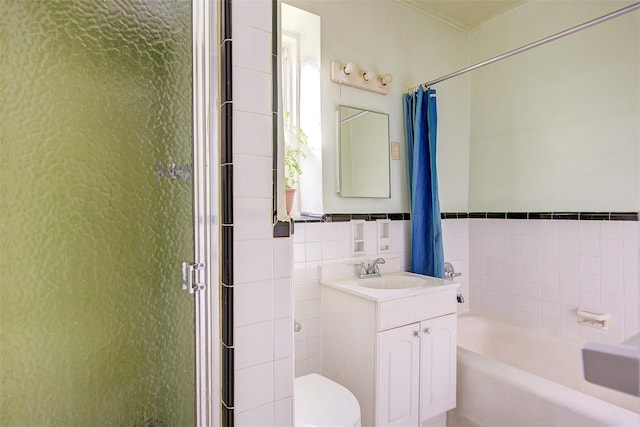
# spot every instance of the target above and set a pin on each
(455, 239)
(333, 241)
(326, 243)
(245, 128)
(535, 273)
(262, 265)
(531, 273)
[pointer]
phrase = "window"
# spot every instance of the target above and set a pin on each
(300, 58)
(290, 79)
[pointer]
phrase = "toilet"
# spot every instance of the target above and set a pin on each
(320, 402)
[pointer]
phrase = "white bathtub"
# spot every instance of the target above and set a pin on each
(510, 376)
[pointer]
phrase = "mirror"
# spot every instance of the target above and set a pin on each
(363, 152)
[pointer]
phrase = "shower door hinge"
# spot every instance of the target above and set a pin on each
(193, 277)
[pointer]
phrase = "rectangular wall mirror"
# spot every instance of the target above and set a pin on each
(363, 153)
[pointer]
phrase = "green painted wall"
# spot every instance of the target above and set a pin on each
(555, 129)
(94, 328)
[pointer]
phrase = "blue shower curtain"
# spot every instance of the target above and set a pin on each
(421, 125)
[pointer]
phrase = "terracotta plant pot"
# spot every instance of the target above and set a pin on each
(289, 193)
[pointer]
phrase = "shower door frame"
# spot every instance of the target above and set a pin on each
(206, 302)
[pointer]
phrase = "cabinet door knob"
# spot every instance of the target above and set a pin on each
(416, 334)
(427, 330)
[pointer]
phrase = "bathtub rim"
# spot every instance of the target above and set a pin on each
(570, 398)
(545, 389)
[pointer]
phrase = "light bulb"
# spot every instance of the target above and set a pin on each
(349, 68)
(369, 75)
(386, 79)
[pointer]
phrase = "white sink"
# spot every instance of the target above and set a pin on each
(393, 282)
(389, 286)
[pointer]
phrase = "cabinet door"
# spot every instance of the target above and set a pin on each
(398, 376)
(438, 366)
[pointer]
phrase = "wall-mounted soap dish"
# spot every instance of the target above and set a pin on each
(593, 319)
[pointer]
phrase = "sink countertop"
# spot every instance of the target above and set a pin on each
(352, 285)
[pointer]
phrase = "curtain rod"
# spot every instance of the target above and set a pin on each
(535, 44)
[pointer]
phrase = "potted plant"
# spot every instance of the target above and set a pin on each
(293, 141)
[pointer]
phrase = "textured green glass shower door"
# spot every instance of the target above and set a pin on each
(95, 213)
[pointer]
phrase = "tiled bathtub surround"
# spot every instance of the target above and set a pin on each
(455, 240)
(535, 273)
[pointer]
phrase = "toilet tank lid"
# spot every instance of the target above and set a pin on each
(322, 402)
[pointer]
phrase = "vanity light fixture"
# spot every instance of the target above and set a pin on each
(349, 68)
(351, 75)
(369, 76)
(386, 79)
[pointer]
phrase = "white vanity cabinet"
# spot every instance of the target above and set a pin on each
(416, 372)
(396, 351)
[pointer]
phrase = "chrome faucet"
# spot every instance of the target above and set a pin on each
(449, 272)
(373, 269)
(370, 270)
